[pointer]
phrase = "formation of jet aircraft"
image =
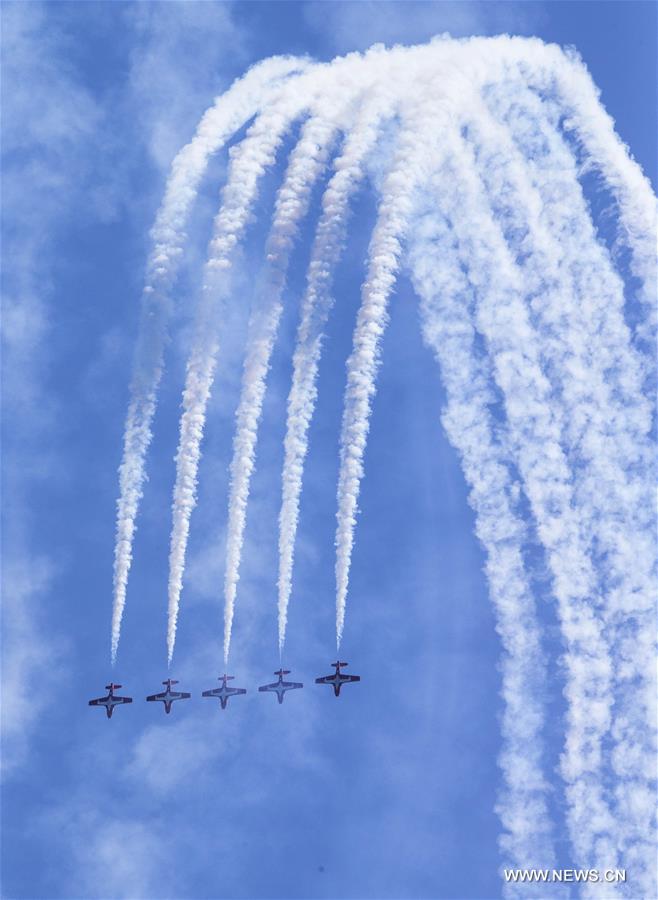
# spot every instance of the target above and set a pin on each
(224, 691)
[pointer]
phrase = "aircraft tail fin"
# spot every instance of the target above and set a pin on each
(283, 672)
(227, 677)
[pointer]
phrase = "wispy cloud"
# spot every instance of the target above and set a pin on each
(175, 69)
(343, 25)
(49, 120)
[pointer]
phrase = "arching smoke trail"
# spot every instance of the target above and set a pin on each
(577, 301)
(593, 420)
(446, 308)
(315, 308)
(563, 530)
(586, 349)
(594, 128)
(551, 70)
(534, 430)
(250, 159)
(306, 164)
(616, 474)
(349, 77)
(228, 114)
(520, 302)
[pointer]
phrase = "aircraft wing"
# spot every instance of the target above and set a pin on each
(289, 685)
(352, 677)
(326, 679)
(269, 687)
(180, 695)
(97, 702)
(157, 696)
(220, 692)
(123, 699)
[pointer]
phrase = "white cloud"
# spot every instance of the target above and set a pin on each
(47, 120)
(123, 860)
(158, 754)
(184, 55)
(28, 652)
(108, 856)
(346, 25)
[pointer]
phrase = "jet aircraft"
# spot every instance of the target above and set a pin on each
(169, 696)
(280, 687)
(337, 680)
(224, 691)
(111, 700)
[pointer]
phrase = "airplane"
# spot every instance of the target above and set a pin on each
(224, 692)
(169, 696)
(337, 680)
(280, 687)
(111, 700)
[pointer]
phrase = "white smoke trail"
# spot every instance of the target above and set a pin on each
(535, 426)
(585, 343)
(446, 302)
(509, 256)
(441, 71)
(561, 529)
(587, 350)
(248, 163)
(349, 76)
(551, 69)
(535, 434)
(316, 304)
(622, 514)
(578, 300)
(383, 261)
(228, 114)
(419, 112)
(594, 128)
(307, 161)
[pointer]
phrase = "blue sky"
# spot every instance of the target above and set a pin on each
(389, 792)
